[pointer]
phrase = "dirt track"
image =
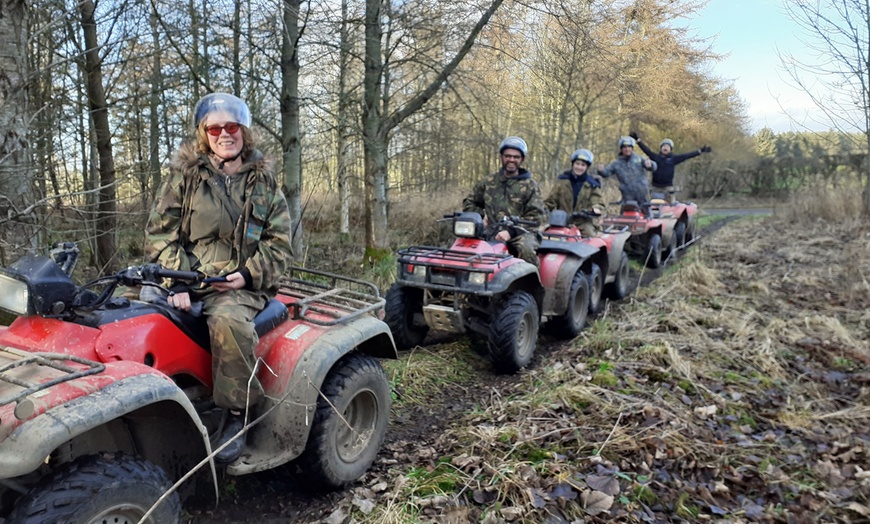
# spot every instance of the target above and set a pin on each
(275, 496)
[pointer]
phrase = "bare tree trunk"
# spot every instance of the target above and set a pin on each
(292, 151)
(106, 220)
(374, 142)
(16, 181)
(156, 89)
(378, 123)
(342, 127)
(237, 34)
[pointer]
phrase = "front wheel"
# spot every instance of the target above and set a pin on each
(100, 488)
(653, 252)
(570, 323)
(514, 332)
(619, 288)
(350, 423)
(402, 313)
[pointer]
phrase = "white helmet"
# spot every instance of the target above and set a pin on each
(667, 141)
(625, 141)
(514, 142)
(583, 154)
(223, 102)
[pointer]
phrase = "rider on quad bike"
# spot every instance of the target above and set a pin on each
(106, 401)
(666, 163)
(629, 169)
(510, 191)
(222, 213)
(579, 190)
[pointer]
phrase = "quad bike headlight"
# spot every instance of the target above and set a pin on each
(416, 272)
(465, 229)
(14, 295)
(476, 278)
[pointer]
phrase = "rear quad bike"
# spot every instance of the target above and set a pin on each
(652, 228)
(105, 401)
(607, 270)
(686, 214)
(476, 286)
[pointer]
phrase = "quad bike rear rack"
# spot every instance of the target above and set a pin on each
(51, 360)
(413, 254)
(319, 294)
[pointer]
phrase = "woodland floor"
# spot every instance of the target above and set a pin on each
(733, 388)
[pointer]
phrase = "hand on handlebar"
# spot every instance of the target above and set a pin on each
(179, 301)
(503, 236)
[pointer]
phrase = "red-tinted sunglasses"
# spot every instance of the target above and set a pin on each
(215, 130)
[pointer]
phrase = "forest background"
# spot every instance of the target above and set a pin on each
(369, 107)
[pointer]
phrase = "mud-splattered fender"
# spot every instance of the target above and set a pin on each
(615, 255)
(143, 398)
(556, 296)
(282, 435)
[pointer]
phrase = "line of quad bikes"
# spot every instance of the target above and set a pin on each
(106, 412)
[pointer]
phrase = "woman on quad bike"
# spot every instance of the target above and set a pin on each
(511, 191)
(221, 212)
(629, 169)
(666, 162)
(579, 190)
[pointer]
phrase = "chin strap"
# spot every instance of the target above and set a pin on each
(225, 160)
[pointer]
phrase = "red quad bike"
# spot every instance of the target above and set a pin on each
(607, 270)
(652, 227)
(686, 214)
(477, 286)
(105, 401)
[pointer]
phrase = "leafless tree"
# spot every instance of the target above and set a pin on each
(16, 174)
(837, 78)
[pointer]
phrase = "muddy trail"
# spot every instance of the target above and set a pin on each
(415, 427)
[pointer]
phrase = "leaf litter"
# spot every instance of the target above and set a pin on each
(733, 389)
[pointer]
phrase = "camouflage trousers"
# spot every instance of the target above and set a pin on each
(231, 329)
(525, 247)
(588, 228)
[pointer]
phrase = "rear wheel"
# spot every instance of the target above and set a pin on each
(514, 332)
(571, 323)
(403, 313)
(680, 233)
(619, 288)
(111, 487)
(690, 231)
(653, 253)
(596, 289)
(350, 422)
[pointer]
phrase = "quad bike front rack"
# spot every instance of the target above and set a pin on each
(319, 294)
(54, 361)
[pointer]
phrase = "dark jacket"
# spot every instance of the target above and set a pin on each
(663, 176)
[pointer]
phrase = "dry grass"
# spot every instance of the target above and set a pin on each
(733, 364)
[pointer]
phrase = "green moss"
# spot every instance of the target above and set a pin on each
(605, 378)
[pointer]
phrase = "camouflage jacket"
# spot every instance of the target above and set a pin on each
(191, 227)
(572, 193)
(498, 196)
(632, 179)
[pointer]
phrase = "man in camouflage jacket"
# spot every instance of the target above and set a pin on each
(511, 191)
(629, 169)
(235, 225)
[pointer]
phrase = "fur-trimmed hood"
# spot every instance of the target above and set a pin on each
(188, 161)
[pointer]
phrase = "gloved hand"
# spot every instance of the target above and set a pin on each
(633, 135)
(706, 149)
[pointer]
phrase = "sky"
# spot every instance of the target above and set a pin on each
(748, 34)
